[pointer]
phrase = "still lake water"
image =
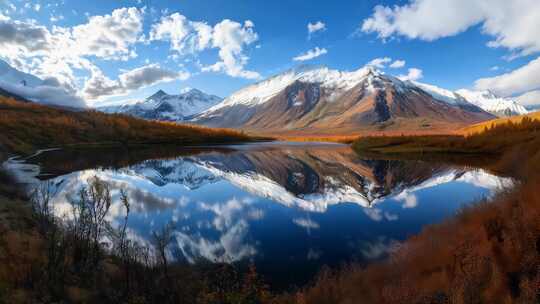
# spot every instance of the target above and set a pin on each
(288, 208)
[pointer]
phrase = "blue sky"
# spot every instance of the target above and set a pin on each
(267, 35)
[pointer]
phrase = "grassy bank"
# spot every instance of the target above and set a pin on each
(45, 259)
(25, 127)
(488, 253)
(495, 138)
(514, 143)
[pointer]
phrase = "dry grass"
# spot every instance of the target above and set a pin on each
(495, 139)
(481, 127)
(25, 127)
(488, 253)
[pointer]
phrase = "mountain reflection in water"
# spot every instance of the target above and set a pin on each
(288, 208)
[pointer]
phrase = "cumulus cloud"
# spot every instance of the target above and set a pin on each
(46, 94)
(397, 64)
(100, 86)
(310, 54)
(515, 25)
(23, 37)
(108, 36)
(184, 35)
(530, 99)
(231, 37)
(518, 81)
(412, 75)
(57, 52)
(379, 63)
(318, 26)
(228, 36)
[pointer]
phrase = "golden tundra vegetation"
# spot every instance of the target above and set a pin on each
(28, 126)
(488, 253)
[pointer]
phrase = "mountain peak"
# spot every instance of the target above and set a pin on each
(187, 90)
(158, 95)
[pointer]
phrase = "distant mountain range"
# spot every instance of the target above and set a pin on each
(162, 106)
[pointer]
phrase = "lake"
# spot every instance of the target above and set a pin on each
(288, 208)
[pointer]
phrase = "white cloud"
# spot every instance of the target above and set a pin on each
(494, 68)
(412, 75)
(397, 64)
(379, 63)
(531, 98)
(108, 36)
(318, 26)
(519, 81)
(185, 36)
(306, 223)
(56, 18)
(310, 54)
(382, 63)
(191, 37)
(47, 91)
(100, 86)
(409, 199)
(231, 37)
(18, 37)
(46, 94)
(57, 52)
(515, 25)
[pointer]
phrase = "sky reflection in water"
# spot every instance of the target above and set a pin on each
(288, 208)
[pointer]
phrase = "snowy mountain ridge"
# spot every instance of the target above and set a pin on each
(162, 106)
(335, 80)
(486, 100)
(492, 103)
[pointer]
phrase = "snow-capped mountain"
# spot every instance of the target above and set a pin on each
(492, 103)
(320, 100)
(182, 171)
(162, 106)
(485, 100)
(262, 92)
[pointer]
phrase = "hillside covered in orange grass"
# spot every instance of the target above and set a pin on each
(488, 253)
(25, 127)
(483, 126)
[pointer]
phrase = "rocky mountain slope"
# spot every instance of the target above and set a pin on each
(319, 100)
